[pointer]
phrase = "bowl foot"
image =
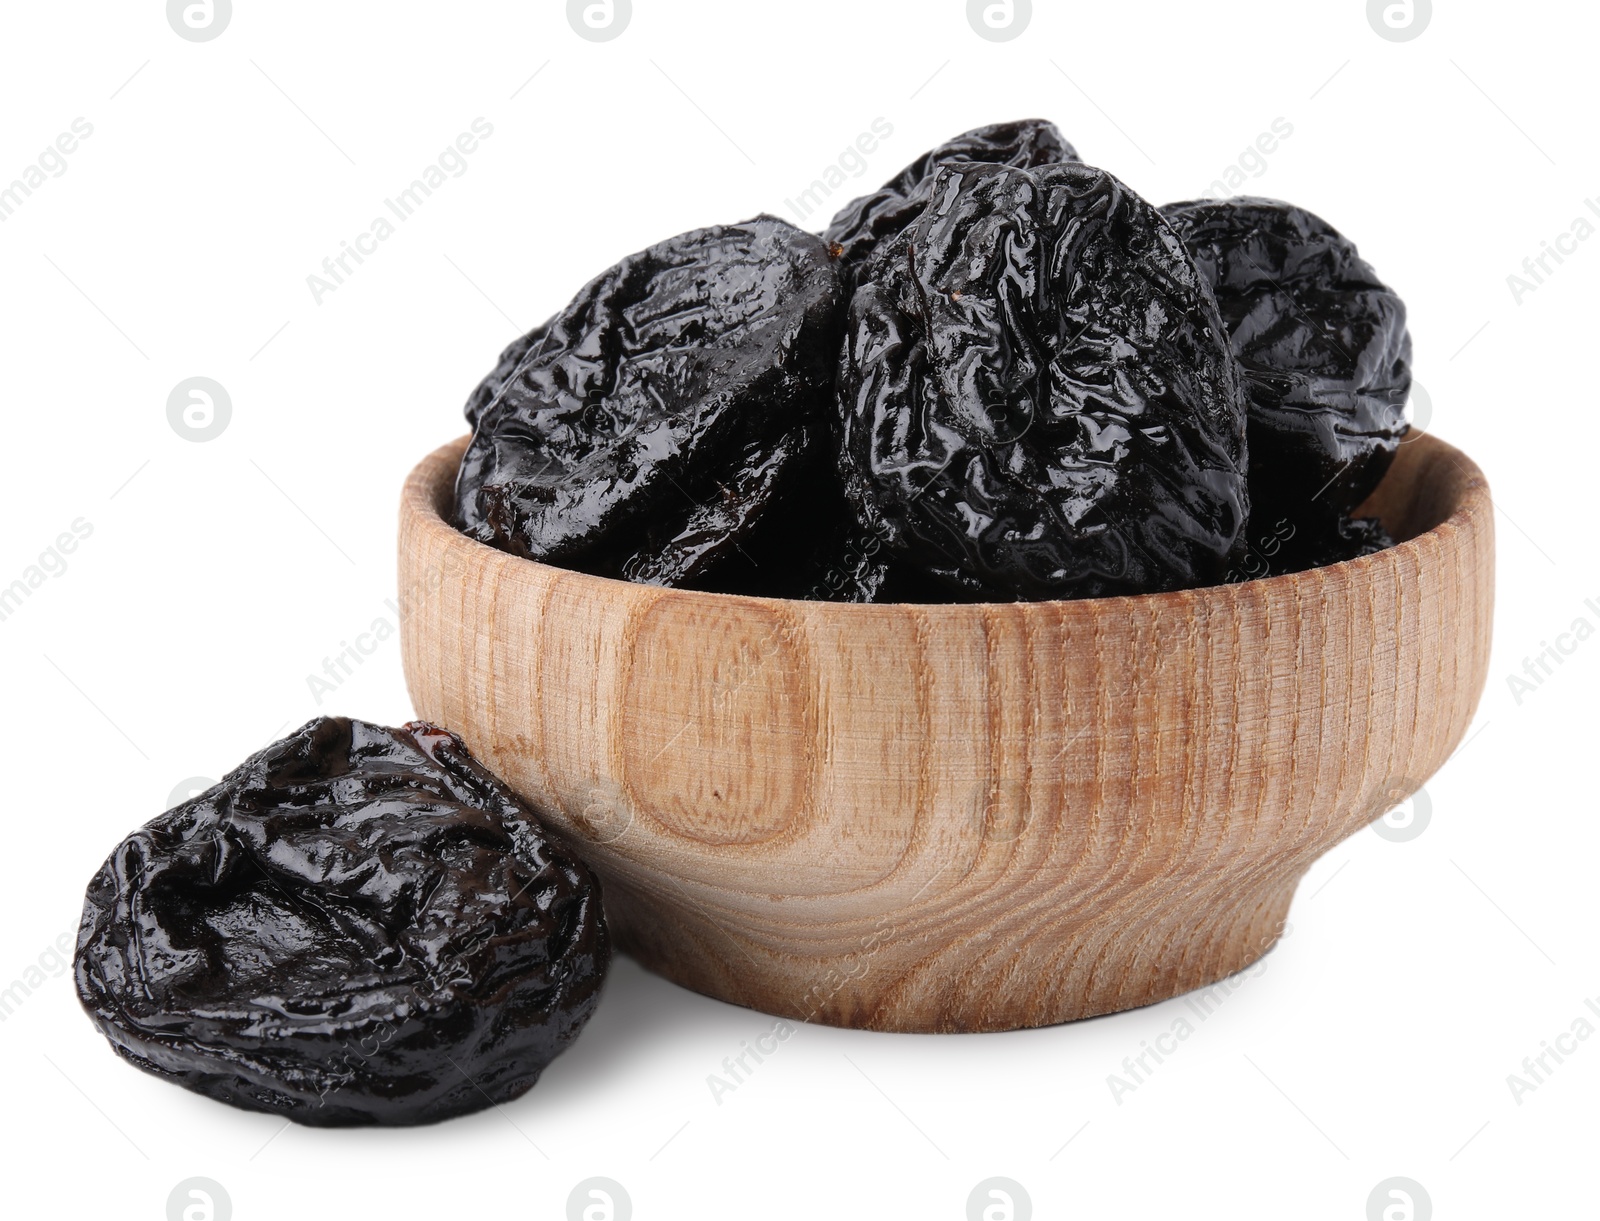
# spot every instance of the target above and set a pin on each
(1036, 967)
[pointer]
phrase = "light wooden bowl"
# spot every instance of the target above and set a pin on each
(928, 818)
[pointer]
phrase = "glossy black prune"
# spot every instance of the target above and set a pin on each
(1323, 348)
(1037, 395)
(358, 925)
(661, 407)
(864, 223)
(680, 555)
(489, 388)
(1282, 546)
(1353, 537)
(1321, 544)
(809, 546)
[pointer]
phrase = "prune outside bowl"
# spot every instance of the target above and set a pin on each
(962, 817)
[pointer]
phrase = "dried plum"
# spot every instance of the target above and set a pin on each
(358, 925)
(489, 388)
(1284, 546)
(722, 523)
(864, 223)
(1037, 395)
(1320, 543)
(1323, 349)
(809, 546)
(654, 422)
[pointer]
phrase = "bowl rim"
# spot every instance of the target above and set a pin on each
(1469, 488)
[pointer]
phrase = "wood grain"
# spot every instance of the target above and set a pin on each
(927, 818)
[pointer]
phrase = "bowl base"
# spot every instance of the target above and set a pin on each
(971, 978)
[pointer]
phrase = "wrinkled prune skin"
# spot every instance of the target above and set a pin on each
(358, 925)
(721, 524)
(1037, 396)
(1323, 349)
(688, 369)
(513, 356)
(810, 547)
(865, 223)
(806, 516)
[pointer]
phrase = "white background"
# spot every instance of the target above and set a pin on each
(1376, 1041)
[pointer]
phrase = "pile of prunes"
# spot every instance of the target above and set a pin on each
(1004, 375)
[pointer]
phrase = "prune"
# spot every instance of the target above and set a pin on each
(809, 546)
(1283, 546)
(489, 388)
(864, 223)
(1037, 395)
(357, 925)
(1321, 542)
(1323, 348)
(718, 526)
(656, 419)
(850, 563)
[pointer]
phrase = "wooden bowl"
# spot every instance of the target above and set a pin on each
(929, 818)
